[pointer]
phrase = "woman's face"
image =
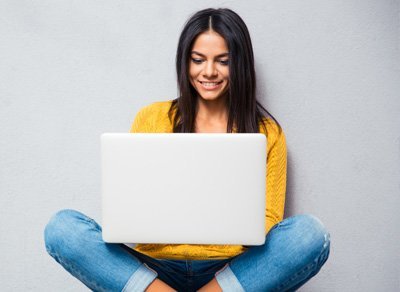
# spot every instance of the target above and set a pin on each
(208, 66)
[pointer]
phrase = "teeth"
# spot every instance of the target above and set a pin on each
(210, 83)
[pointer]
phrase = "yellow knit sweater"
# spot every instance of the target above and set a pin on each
(154, 119)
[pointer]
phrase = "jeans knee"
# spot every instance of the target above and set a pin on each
(60, 228)
(308, 234)
(314, 234)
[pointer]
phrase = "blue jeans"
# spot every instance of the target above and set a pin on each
(294, 251)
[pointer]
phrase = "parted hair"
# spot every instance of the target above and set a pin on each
(244, 110)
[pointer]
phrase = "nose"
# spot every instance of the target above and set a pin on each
(210, 70)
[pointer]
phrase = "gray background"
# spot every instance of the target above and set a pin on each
(328, 71)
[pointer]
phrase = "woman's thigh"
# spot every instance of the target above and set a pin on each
(74, 240)
(294, 251)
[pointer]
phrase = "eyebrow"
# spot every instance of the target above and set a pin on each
(218, 56)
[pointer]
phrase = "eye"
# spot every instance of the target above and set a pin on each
(224, 62)
(197, 61)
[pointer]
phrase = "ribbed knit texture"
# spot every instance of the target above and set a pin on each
(154, 119)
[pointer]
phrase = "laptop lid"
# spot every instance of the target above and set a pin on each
(193, 188)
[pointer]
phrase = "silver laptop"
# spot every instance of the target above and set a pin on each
(183, 188)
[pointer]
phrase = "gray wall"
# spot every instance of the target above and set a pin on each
(328, 70)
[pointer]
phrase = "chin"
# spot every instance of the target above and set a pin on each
(209, 97)
(212, 97)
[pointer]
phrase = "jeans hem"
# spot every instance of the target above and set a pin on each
(228, 281)
(140, 279)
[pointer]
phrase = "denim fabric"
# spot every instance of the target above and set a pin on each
(294, 251)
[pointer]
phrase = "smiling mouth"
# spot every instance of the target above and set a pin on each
(207, 83)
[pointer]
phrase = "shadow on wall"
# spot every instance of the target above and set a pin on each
(290, 189)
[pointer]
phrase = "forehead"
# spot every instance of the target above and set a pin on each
(210, 43)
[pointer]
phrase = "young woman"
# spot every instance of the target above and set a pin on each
(217, 82)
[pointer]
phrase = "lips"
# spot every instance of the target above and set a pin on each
(206, 85)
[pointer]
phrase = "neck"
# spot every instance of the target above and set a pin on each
(214, 110)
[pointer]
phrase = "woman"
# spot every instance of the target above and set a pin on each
(216, 78)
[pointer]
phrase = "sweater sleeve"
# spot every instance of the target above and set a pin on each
(276, 176)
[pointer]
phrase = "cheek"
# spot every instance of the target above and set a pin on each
(226, 73)
(192, 74)
(193, 71)
(192, 80)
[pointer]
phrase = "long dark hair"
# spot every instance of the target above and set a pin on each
(244, 110)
